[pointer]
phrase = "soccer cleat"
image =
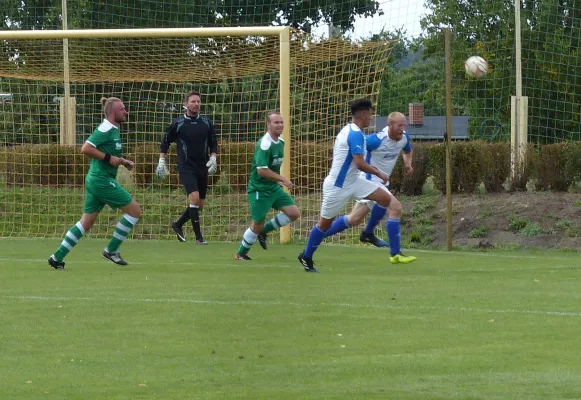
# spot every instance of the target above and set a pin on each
(307, 263)
(401, 259)
(371, 238)
(179, 231)
(262, 240)
(242, 257)
(115, 257)
(201, 242)
(53, 262)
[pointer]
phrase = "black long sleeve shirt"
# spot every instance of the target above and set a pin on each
(195, 138)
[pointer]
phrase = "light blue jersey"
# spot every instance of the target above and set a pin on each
(382, 152)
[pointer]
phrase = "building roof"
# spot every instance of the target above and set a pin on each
(433, 128)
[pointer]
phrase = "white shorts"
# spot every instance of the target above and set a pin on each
(335, 198)
(371, 203)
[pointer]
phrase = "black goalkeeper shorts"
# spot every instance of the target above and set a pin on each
(194, 183)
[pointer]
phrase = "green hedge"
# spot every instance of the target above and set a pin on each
(43, 165)
(550, 167)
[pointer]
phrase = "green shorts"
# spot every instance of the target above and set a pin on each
(101, 191)
(261, 204)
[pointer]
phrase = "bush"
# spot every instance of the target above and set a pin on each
(310, 163)
(494, 165)
(553, 167)
(549, 167)
(43, 165)
(411, 185)
(466, 170)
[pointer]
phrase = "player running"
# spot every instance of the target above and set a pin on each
(105, 150)
(265, 188)
(344, 181)
(382, 151)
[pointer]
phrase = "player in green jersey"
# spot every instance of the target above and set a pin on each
(265, 188)
(105, 150)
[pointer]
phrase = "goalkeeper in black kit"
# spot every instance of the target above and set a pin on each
(197, 145)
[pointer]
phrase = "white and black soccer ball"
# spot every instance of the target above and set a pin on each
(476, 67)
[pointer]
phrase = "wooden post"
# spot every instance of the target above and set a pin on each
(284, 87)
(68, 104)
(448, 60)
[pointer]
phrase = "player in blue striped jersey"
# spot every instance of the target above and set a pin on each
(344, 181)
(382, 151)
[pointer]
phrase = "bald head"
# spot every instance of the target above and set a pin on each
(397, 125)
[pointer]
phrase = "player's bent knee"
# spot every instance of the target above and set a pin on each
(88, 220)
(293, 214)
(383, 198)
(256, 227)
(194, 198)
(356, 219)
(133, 209)
(324, 224)
(395, 208)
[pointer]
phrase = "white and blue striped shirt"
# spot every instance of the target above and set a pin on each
(382, 152)
(349, 142)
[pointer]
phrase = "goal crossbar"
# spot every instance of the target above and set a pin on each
(282, 31)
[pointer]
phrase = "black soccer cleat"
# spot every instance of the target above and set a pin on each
(262, 240)
(179, 231)
(53, 262)
(307, 263)
(115, 257)
(242, 257)
(371, 238)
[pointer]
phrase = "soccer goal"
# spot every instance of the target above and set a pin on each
(52, 82)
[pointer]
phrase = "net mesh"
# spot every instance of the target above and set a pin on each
(325, 77)
(239, 80)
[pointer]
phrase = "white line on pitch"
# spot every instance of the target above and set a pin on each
(276, 303)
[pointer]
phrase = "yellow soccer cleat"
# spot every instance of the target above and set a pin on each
(401, 259)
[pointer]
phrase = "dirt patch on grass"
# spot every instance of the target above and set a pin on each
(509, 220)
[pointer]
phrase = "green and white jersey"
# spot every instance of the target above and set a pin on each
(268, 154)
(107, 139)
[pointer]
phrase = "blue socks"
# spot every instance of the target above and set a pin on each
(394, 235)
(339, 225)
(315, 238)
(377, 213)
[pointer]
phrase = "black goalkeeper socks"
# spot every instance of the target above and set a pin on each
(195, 217)
(184, 217)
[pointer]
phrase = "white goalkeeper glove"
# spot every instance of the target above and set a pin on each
(212, 165)
(161, 170)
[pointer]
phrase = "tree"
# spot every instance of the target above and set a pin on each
(83, 14)
(551, 34)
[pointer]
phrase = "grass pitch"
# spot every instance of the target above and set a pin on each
(189, 322)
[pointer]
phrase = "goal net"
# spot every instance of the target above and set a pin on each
(49, 105)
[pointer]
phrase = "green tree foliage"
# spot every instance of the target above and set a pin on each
(238, 103)
(85, 14)
(551, 34)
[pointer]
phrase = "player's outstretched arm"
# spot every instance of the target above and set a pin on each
(273, 176)
(407, 162)
(407, 155)
(92, 152)
(363, 166)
